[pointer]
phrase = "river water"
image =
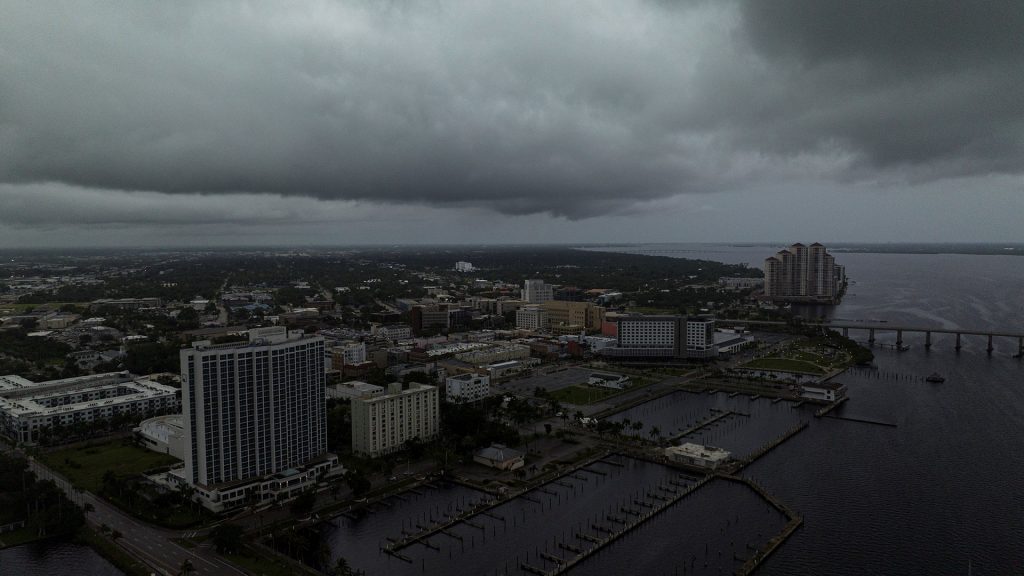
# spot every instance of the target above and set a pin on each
(54, 558)
(940, 492)
(944, 490)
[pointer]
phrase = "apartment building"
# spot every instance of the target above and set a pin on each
(384, 423)
(254, 410)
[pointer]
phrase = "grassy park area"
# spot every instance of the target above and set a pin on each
(784, 365)
(582, 394)
(85, 466)
(812, 356)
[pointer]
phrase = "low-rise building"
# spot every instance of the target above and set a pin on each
(495, 353)
(501, 457)
(509, 368)
(345, 354)
(604, 380)
(467, 387)
(697, 455)
(826, 391)
(26, 407)
(164, 434)
(384, 423)
(392, 331)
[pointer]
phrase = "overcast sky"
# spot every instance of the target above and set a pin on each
(332, 122)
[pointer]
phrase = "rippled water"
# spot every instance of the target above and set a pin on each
(54, 558)
(944, 489)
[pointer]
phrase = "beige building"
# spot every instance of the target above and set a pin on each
(382, 424)
(579, 315)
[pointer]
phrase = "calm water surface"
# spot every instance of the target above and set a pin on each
(54, 558)
(945, 488)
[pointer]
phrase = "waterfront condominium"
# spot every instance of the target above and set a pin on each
(803, 274)
(254, 417)
(385, 423)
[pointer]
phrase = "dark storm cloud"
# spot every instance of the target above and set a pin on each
(577, 109)
(932, 86)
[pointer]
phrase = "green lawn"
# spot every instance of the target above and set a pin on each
(579, 394)
(20, 536)
(784, 365)
(84, 466)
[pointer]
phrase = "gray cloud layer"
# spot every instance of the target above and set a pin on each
(577, 109)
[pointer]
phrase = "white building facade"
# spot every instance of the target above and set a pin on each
(531, 318)
(384, 423)
(467, 388)
(535, 291)
(29, 409)
(251, 410)
(700, 337)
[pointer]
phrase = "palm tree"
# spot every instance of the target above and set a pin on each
(655, 431)
(341, 568)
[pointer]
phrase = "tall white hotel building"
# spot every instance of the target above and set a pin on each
(254, 417)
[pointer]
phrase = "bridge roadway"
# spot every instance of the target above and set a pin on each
(899, 329)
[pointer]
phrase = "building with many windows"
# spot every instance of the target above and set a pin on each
(662, 337)
(384, 423)
(537, 292)
(467, 387)
(573, 317)
(700, 337)
(29, 409)
(803, 274)
(254, 417)
(531, 318)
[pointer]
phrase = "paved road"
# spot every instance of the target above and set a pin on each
(151, 544)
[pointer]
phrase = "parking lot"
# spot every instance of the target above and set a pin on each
(551, 382)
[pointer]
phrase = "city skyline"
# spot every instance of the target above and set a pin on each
(209, 124)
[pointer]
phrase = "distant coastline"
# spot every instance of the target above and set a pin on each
(980, 249)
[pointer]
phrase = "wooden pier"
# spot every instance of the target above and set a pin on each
(794, 521)
(599, 542)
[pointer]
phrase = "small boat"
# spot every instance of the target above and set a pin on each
(935, 377)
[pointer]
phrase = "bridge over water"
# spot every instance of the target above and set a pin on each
(873, 327)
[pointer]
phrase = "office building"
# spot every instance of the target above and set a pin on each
(537, 292)
(254, 414)
(573, 317)
(31, 409)
(464, 267)
(467, 388)
(531, 318)
(662, 337)
(346, 354)
(432, 318)
(803, 274)
(700, 337)
(384, 423)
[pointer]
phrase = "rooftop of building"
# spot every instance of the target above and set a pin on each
(27, 401)
(499, 453)
(829, 385)
(700, 451)
(397, 389)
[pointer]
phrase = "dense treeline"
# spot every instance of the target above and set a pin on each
(44, 508)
